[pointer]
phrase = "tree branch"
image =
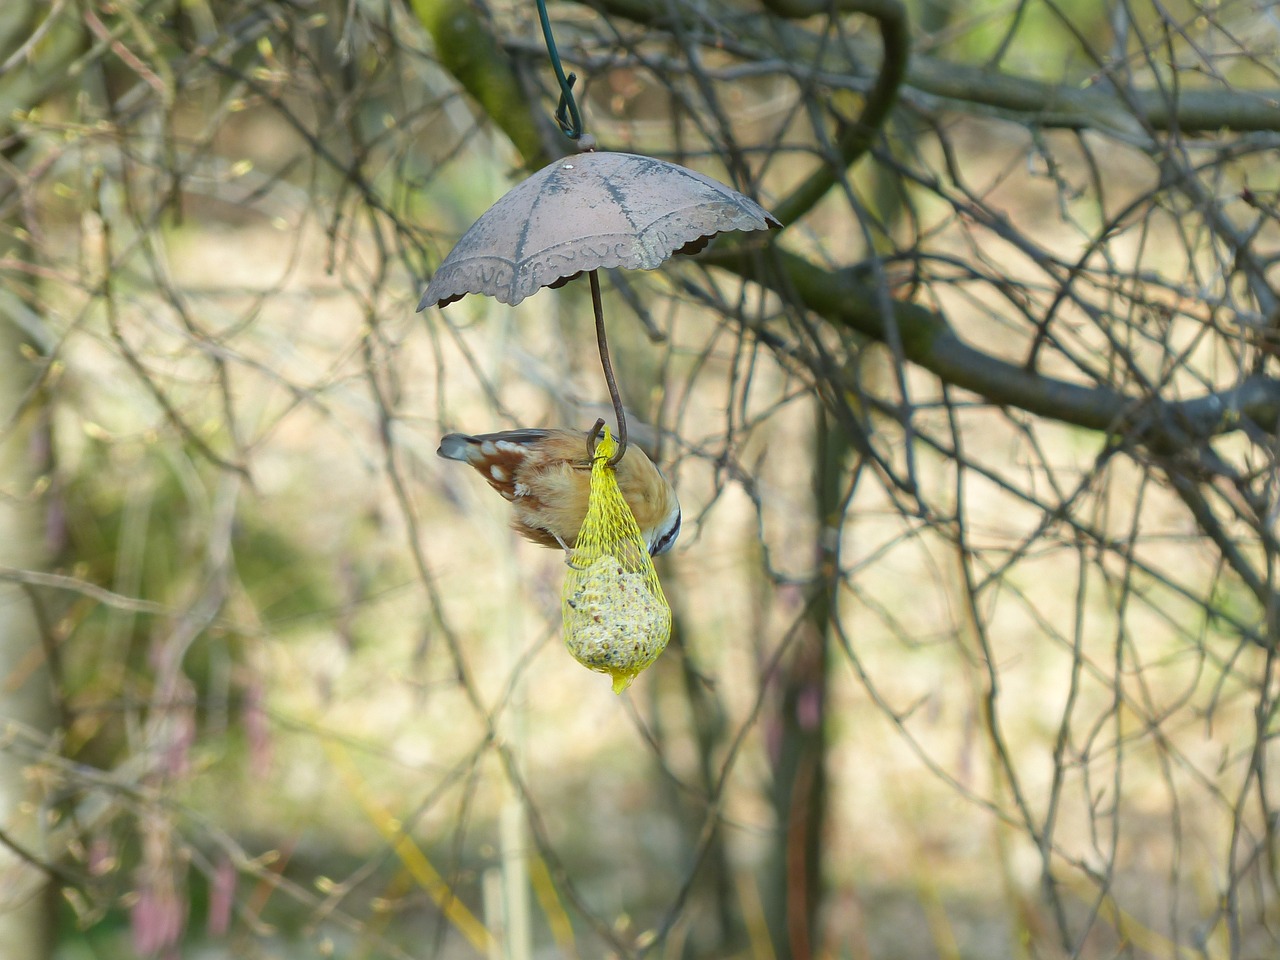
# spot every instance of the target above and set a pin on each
(1022, 98)
(41, 66)
(844, 299)
(1053, 105)
(467, 49)
(856, 138)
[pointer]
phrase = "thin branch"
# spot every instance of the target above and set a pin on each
(856, 138)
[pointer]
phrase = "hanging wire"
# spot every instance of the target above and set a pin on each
(567, 115)
(603, 343)
(570, 121)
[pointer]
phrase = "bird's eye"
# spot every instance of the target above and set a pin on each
(668, 539)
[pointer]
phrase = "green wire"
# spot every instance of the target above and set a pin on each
(572, 125)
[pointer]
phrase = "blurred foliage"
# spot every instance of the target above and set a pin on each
(139, 523)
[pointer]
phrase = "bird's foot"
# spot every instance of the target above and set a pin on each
(568, 553)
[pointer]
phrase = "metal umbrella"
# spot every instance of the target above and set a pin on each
(589, 212)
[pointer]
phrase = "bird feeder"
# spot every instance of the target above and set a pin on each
(590, 211)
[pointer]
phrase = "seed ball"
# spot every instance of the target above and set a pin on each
(613, 622)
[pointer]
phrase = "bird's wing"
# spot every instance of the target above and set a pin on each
(502, 458)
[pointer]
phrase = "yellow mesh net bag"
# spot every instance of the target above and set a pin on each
(616, 619)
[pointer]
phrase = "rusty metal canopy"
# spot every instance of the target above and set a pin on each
(590, 211)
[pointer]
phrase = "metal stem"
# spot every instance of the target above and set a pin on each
(573, 128)
(603, 344)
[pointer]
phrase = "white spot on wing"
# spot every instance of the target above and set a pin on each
(508, 446)
(497, 473)
(488, 449)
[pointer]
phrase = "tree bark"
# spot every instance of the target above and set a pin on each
(794, 885)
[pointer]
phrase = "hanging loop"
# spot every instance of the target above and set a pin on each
(571, 127)
(567, 116)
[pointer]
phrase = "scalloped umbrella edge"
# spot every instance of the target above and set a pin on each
(590, 211)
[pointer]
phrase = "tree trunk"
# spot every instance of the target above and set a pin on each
(794, 884)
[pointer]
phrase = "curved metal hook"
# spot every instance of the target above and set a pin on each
(593, 438)
(571, 126)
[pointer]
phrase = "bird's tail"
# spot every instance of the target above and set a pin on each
(457, 446)
(479, 449)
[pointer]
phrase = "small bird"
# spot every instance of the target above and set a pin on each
(546, 475)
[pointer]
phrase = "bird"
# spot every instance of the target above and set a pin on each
(546, 475)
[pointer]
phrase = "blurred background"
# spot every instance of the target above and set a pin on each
(975, 600)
